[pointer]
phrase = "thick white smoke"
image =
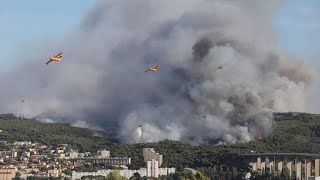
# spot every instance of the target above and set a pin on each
(138, 135)
(101, 81)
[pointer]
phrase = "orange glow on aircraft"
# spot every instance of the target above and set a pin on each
(55, 58)
(153, 68)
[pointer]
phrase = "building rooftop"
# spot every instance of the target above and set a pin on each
(282, 154)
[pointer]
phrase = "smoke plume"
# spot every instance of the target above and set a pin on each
(101, 83)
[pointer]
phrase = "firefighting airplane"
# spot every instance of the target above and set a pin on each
(204, 117)
(153, 68)
(55, 58)
(220, 67)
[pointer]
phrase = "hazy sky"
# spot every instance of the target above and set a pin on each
(298, 27)
(24, 23)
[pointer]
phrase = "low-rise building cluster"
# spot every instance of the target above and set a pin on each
(27, 159)
(152, 159)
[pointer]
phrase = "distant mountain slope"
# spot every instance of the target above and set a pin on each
(296, 132)
(14, 129)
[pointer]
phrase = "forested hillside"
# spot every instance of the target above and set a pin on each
(15, 129)
(295, 132)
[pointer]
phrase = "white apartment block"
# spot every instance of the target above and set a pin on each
(125, 173)
(153, 161)
(170, 170)
(73, 154)
(112, 161)
(149, 154)
(153, 168)
(103, 154)
(8, 154)
(7, 172)
(21, 143)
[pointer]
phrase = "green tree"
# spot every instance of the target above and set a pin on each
(115, 175)
(67, 172)
(285, 174)
(200, 176)
(136, 176)
(18, 176)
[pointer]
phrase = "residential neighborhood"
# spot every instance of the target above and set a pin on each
(27, 159)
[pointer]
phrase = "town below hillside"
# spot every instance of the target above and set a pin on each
(48, 149)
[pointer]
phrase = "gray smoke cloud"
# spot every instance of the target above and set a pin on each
(101, 81)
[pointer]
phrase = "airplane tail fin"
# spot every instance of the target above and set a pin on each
(48, 62)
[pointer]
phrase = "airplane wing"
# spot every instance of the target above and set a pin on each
(156, 66)
(48, 62)
(147, 70)
(220, 67)
(60, 54)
